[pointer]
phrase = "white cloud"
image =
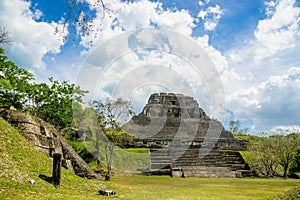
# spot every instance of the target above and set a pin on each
(31, 39)
(274, 102)
(129, 16)
(266, 90)
(286, 129)
(201, 3)
(227, 74)
(211, 16)
(279, 31)
(143, 69)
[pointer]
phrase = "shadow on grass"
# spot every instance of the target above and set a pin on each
(46, 178)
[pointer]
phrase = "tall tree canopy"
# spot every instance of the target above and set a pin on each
(52, 102)
(14, 83)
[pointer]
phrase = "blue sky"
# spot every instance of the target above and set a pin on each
(254, 46)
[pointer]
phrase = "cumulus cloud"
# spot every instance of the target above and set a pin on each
(266, 91)
(32, 40)
(210, 16)
(274, 102)
(279, 30)
(129, 16)
(145, 60)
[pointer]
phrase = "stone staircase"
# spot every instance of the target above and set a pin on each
(235, 161)
(160, 162)
(201, 162)
(195, 161)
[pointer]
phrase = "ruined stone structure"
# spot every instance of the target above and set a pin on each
(187, 142)
(47, 139)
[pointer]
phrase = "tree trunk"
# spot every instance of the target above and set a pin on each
(285, 169)
(97, 146)
(110, 161)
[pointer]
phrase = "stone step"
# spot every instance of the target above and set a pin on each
(202, 165)
(200, 161)
(235, 162)
(160, 161)
(158, 172)
(197, 155)
(200, 171)
(237, 166)
(246, 173)
(160, 166)
(160, 156)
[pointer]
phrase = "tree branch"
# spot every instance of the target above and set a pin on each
(4, 37)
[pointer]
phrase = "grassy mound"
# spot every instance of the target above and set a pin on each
(20, 162)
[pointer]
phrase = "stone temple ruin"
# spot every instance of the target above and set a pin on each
(184, 141)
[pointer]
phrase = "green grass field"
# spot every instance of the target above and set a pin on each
(152, 187)
(162, 187)
(20, 162)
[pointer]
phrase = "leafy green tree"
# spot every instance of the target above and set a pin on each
(38, 95)
(295, 166)
(54, 103)
(286, 148)
(14, 83)
(110, 115)
(263, 156)
(267, 153)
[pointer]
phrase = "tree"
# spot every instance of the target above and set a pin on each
(80, 18)
(4, 37)
(54, 103)
(286, 148)
(234, 127)
(14, 83)
(262, 156)
(267, 153)
(110, 115)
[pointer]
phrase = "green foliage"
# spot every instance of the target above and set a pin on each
(266, 154)
(121, 138)
(52, 103)
(295, 166)
(14, 83)
(263, 156)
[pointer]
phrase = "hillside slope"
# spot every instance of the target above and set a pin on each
(20, 162)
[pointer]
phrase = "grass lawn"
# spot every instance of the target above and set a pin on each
(152, 187)
(164, 187)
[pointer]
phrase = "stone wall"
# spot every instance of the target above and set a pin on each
(47, 139)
